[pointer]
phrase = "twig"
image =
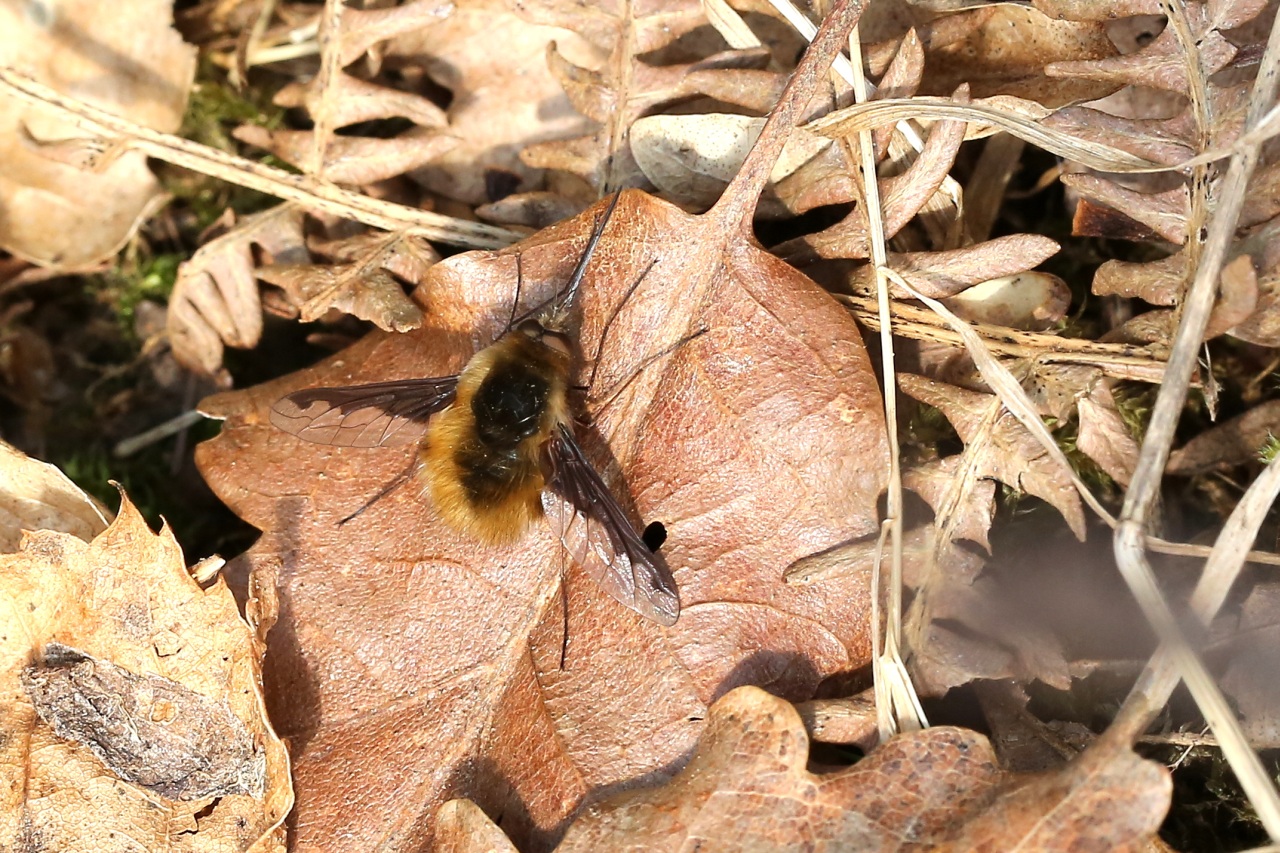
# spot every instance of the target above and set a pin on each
(303, 189)
(1143, 491)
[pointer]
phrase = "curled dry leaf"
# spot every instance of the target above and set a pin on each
(692, 158)
(998, 446)
(215, 299)
(902, 197)
(755, 443)
(368, 293)
(1104, 436)
(746, 788)
(134, 667)
(35, 495)
(354, 160)
(1228, 444)
(130, 62)
(950, 273)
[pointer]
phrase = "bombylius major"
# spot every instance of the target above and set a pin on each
(502, 452)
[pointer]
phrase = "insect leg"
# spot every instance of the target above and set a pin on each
(650, 359)
(515, 303)
(604, 333)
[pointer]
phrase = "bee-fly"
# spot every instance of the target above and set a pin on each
(503, 452)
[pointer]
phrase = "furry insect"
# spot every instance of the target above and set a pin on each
(501, 451)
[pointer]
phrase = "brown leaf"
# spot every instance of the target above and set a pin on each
(943, 274)
(634, 80)
(1162, 140)
(970, 508)
(1263, 326)
(902, 197)
(489, 132)
(355, 100)
(1107, 800)
(368, 293)
(1164, 213)
(1160, 64)
(215, 298)
(131, 63)
(1250, 678)
(355, 160)
(1010, 52)
(1104, 436)
(114, 741)
(1228, 444)
(938, 789)
(1158, 282)
(999, 446)
(756, 443)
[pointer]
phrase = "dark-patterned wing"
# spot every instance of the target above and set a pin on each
(600, 538)
(381, 414)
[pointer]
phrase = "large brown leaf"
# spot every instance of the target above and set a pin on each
(747, 790)
(411, 664)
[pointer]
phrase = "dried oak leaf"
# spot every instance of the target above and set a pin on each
(627, 80)
(130, 62)
(998, 446)
(1009, 50)
(747, 789)
(412, 664)
(502, 100)
(35, 495)
(215, 301)
(117, 668)
(334, 99)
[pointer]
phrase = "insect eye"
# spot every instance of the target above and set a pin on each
(531, 328)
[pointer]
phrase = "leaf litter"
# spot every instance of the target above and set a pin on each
(755, 444)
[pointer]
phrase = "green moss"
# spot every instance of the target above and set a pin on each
(1267, 453)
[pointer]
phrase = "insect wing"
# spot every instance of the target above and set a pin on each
(600, 538)
(381, 414)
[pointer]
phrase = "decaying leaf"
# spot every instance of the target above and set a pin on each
(136, 714)
(335, 100)
(215, 299)
(131, 62)
(35, 495)
(1104, 436)
(148, 730)
(746, 788)
(997, 445)
(1236, 441)
(490, 132)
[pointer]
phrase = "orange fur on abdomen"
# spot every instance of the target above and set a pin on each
(454, 455)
